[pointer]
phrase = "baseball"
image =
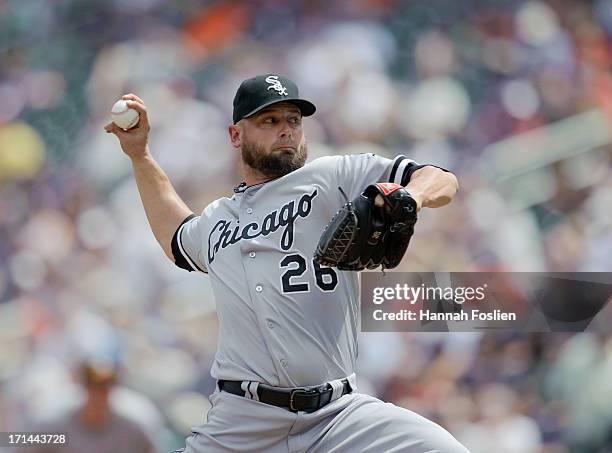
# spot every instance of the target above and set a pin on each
(123, 116)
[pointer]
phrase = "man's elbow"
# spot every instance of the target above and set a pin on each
(166, 246)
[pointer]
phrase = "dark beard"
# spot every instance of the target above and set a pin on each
(275, 164)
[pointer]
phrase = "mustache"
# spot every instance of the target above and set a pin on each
(284, 145)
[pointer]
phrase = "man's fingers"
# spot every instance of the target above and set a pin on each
(112, 128)
(143, 120)
(379, 201)
(140, 108)
(132, 97)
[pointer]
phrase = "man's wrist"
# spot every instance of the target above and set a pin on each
(141, 157)
(418, 196)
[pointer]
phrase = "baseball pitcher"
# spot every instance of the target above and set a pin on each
(283, 255)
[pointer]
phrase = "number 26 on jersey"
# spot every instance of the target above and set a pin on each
(296, 265)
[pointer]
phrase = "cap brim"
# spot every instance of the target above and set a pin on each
(306, 107)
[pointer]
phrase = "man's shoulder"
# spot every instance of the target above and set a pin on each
(219, 203)
(127, 423)
(324, 161)
(57, 423)
(332, 164)
(130, 430)
(338, 159)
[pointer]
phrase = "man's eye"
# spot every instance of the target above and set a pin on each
(295, 120)
(269, 120)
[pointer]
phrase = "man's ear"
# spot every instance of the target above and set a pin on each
(235, 134)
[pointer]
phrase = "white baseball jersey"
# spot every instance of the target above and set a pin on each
(283, 319)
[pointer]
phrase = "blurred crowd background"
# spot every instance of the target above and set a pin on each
(513, 96)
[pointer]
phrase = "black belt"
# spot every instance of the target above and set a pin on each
(307, 399)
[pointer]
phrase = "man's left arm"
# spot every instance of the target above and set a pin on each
(429, 185)
(432, 187)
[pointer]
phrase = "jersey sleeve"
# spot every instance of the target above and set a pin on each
(187, 245)
(357, 171)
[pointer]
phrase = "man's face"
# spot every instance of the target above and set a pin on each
(272, 141)
(99, 393)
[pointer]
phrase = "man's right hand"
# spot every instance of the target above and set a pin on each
(134, 142)
(164, 208)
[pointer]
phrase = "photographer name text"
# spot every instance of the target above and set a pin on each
(426, 315)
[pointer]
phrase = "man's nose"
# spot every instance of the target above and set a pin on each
(285, 129)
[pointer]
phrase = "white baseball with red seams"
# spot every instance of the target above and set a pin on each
(123, 116)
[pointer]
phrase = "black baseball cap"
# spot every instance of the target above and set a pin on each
(259, 92)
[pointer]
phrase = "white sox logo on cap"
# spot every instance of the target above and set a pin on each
(276, 85)
(261, 91)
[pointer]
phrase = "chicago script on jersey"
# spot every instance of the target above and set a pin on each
(225, 233)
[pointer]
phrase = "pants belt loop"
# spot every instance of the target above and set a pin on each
(338, 387)
(250, 389)
(353, 381)
(253, 386)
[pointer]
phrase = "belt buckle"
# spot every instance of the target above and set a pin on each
(305, 391)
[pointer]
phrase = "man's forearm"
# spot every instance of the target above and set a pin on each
(164, 208)
(433, 187)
